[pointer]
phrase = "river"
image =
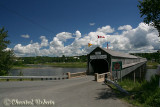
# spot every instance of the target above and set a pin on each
(150, 73)
(44, 70)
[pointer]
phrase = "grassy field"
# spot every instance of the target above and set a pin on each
(152, 65)
(68, 65)
(20, 66)
(144, 94)
(65, 65)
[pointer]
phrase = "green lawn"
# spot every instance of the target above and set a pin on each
(61, 64)
(69, 64)
(151, 65)
(144, 94)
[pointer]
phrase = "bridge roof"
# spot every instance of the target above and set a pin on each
(118, 54)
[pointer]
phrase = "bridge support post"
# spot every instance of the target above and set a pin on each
(140, 72)
(121, 75)
(134, 76)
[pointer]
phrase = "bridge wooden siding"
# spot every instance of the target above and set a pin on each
(130, 63)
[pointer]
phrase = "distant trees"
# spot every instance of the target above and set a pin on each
(46, 59)
(149, 56)
(6, 56)
(151, 10)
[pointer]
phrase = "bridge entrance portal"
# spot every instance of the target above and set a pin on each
(99, 66)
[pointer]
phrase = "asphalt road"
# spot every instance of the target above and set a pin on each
(78, 92)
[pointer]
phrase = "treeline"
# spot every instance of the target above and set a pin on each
(149, 56)
(46, 59)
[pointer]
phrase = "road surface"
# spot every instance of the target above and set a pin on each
(77, 92)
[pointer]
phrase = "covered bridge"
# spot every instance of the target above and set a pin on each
(100, 61)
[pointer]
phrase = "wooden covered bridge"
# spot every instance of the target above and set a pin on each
(100, 61)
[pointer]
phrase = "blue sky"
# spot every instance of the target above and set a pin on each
(37, 23)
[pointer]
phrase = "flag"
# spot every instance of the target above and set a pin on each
(100, 36)
(89, 44)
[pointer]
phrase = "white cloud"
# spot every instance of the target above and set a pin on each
(44, 41)
(91, 24)
(125, 27)
(7, 49)
(25, 36)
(56, 42)
(28, 50)
(78, 34)
(63, 36)
(106, 29)
(140, 39)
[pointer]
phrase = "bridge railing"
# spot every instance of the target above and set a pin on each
(134, 63)
(77, 74)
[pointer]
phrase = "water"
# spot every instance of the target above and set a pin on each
(43, 70)
(150, 73)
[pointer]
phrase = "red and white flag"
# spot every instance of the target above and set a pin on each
(100, 36)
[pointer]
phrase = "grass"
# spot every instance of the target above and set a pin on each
(20, 66)
(69, 64)
(60, 64)
(152, 65)
(144, 94)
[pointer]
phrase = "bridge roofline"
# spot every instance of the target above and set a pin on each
(117, 53)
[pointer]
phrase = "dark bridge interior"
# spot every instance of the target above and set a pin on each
(99, 66)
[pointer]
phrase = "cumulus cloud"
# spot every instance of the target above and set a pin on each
(63, 36)
(125, 27)
(106, 29)
(7, 49)
(44, 41)
(139, 39)
(28, 50)
(91, 24)
(56, 42)
(25, 36)
(78, 34)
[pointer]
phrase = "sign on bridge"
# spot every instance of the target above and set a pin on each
(98, 56)
(117, 66)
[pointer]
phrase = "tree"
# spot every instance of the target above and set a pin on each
(6, 56)
(151, 10)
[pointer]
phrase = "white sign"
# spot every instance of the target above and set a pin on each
(97, 53)
(98, 56)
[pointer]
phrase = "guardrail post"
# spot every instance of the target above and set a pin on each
(96, 76)
(69, 75)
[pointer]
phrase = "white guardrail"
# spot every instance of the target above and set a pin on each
(34, 77)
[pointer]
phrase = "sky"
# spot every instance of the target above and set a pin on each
(65, 27)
